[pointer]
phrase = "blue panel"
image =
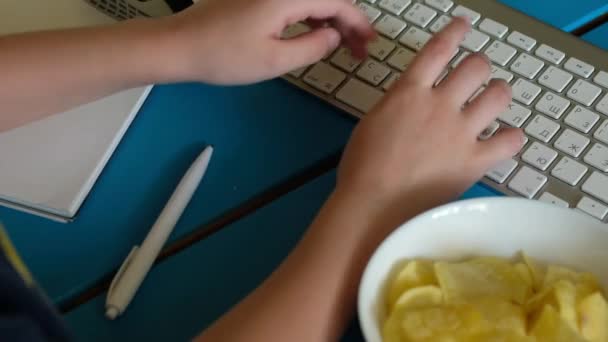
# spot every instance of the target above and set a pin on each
(263, 134)
(599, 36)
(567, 15)
(192, 289)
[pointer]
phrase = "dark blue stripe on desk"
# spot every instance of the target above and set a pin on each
(263, 135)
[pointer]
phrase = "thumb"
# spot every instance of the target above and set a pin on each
(308, 48)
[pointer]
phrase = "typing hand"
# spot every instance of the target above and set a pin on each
(239, 41)
(419, 146)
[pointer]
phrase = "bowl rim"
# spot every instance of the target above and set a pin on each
(463, 203)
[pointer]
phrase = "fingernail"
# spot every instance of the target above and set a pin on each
(334, 39)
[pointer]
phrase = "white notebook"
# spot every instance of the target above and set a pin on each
(48, 167)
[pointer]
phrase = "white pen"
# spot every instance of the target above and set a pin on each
(137, 264)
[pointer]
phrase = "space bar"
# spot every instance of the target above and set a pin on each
(359, 95)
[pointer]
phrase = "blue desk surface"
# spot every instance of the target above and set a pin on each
(263, 135)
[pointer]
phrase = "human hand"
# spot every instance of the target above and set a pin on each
(419, 146)
(239, 41)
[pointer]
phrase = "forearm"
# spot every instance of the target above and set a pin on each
(48, 72)
(312, 295)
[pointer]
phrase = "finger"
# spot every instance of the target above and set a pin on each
(304, 50)
(466, 79)
(437, 53)
(489, 104)
(504, 145)
(352, 24)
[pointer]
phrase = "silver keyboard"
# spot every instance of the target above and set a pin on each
(560, 93)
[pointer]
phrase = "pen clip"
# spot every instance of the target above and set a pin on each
(122, 269)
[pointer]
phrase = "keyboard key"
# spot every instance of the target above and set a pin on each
(295, 30)
(602, 79)
(373, 72)
(359, 95)
(515, 115)
(579, 67)
(380, 48)
(555, 79)
(542, 128)
(390, 26)
(584, 92)
(324, 77)
(602, 105)
(344, 60)
(527, 182)
(539, 156)
(491, 129)
(552, 105)
(395, 7)
(498, 73)
(372, 13)
(548, 197)
(390, 80)
(420, 15)
(521, 41)
(493, 28)
(598, 157)
(440, 23)
(401, 59)
(592, 207)
(415, 38)
(582, 119)
(601, 133)
(298, 72)
(572, 143)
(525, 92)
(502, 171)
(460, 58)
(475, 40)
(597, 186)
(527, 66)
(500, 53)
(461, 11)
(550, 54)
(442, 5)
(569, 171)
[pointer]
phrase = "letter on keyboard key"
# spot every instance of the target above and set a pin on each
(525, 92)
(601, 133)
(571, 143)
(579, 67)
(420, 15)
(552, 105)
(527, 66)
(440, 23)
(584, 92)
(324, 77)
(582, 119)
(500, 53)
(569, 171)
(390, 26)
(394, 6)
(373, 72)
(442, 5)
(515, 115)
(542, 128)
(521, 40)
(369, 11)
(527, 182)
(555, 79)
(415, 38)
(550, 54)
(493, 28)
(592, 207)
(502, 171)
(359, 95)
(597, 186)
(598, 157)
(380, 48)
(344, 60)
(548, 197)
(401, 59)
(539, 156)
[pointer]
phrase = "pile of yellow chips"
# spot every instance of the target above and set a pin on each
(492, 299)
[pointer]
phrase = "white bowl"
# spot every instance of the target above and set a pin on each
(484, 227)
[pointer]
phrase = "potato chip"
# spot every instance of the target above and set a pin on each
(420, 297)
(415, 273)
(479, 278)
(439, 323)
(538, 274)
(593, 312)
(551, 327)
(502, 315)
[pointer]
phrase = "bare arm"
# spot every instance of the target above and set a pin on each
(418, 148)
(48, 72)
